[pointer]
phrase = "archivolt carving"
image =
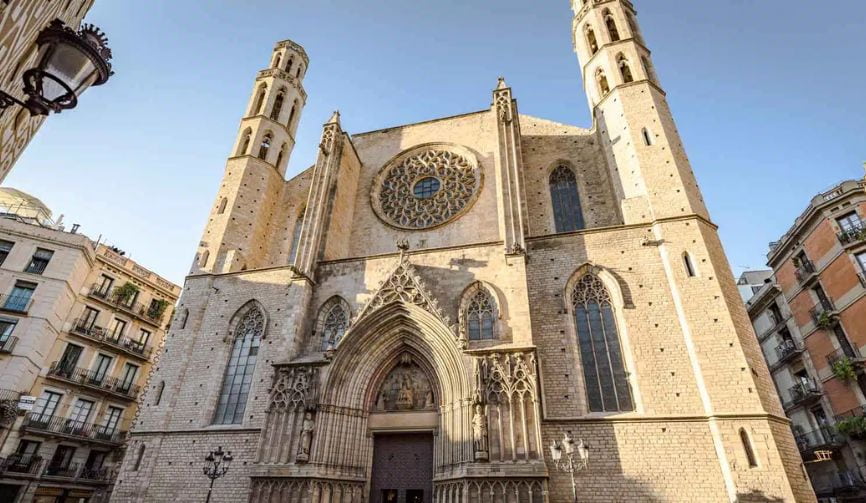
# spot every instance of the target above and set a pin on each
(455, 186)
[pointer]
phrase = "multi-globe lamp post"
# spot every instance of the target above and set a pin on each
(576, 458)
(216, 465)
(67, 63)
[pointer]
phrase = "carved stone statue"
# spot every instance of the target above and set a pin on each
(479, 432)
(428, 400)
(380, 403)
(406, 396)
(306, 438)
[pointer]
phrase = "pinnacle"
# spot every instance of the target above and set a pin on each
(335, 118)
(501, 84)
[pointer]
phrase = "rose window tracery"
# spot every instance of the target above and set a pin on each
(426, 187)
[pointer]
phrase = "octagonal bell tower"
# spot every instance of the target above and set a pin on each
(234, 238)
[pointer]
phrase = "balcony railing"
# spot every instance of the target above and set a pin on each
(107, 295)
(854, 235)
(87, 329)
(21, 464)
(16, 303)
(71, 428)
(8, 405)
(854, 357)
(95, 380)
(786, 351)
(822, 438)
(823, 314)
(841, 481)
(8, 344)
(804, 391)
(805, 271)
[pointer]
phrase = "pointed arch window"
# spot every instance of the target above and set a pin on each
(567, 214)
(289, 64)
(259, 104)
(160, 388)
(607, 387)
(204, 258)
(333, 322)
(632, 25)
(591, 41)
(292, 114)
(747, 447)
(624, 68)
(247, 337)
(689, 265)
(265, 147)
(300, 69)
(280, 156)
(480, 316)
(276, 61)
(222, 207)
(245, 142)
(650, 73)
(296, 237)
(601, 79)
(610, 22)
(278, 106)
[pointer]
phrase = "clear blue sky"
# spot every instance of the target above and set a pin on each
(768, 95)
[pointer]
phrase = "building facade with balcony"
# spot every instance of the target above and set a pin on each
(80, 328)
(21, 21)
(810, 319)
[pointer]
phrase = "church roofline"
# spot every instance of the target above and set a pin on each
(401, 126)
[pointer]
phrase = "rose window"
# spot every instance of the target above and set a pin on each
(426, 187)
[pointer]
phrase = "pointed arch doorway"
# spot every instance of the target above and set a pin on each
(403, 419)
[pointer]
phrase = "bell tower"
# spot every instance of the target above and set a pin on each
(234, 238)
(652, 175)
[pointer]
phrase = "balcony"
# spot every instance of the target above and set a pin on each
(21, 465)
(77, 473)
(111, 297)
(8, 344)
(853, 236)
(803, 393)
(95, 381)
(843, 481)
(76, 430)
(87, 329)
(805, 272)
(18, 304)
(856, 360)
(786, 352)
(8, 406)
(825, 438)
(824, 315)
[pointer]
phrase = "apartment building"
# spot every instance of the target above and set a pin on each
(80, 328)
(810, 319)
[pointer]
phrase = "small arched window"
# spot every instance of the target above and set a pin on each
(244, 146)
(160, 388)
(647, 66)
(747, 447)
(601, 79)
(567, 213)
(647, 137)
(333, 322)
(591, 41)
(278, 106)
(300, 69)
(624, 69)
(632, 25)
(292, 114)
(604, 372)
(289, 64)
(610, 22)
(480, 315)
(689, 265)
(276, 61)
(265, 147)
(222, 207)
(184, 317)
(296, 237)
(139, 456)
(258, 105)
(246, 338)
(280, 156)
(202, 262)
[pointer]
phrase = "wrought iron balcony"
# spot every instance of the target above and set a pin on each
(785, 352)
(110, 296)
(86, 328)
(805, 271)
(805, 391)
(94, 380)
(8, 344)
(64, 427)
(16, 303)
(854, 235)
(21, 464)
(825, 438)
(841, 481)
(853, 357)
(8, 406)
(824, 314)
(69, 472)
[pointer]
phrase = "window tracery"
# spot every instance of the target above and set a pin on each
(567, 213)
(246, 338)
(333, 323)
(479, 315)
(606, 380)
(278, 106)
(426, 187)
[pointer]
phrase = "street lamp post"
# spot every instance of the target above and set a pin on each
(576, 459)
(217, 465)
(67, 63)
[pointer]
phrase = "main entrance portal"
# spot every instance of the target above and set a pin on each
(402, 468)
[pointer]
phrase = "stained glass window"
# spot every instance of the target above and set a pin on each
(239, 372)
(567, 214)
(481, 316)
(334, 326)
(607, 385)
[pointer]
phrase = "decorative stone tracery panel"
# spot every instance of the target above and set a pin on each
(305, 490)
(491, 491)
(427, 186)
(291, 414)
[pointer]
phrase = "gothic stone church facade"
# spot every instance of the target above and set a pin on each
(419, 315)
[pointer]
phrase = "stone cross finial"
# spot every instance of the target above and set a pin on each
(501, 84)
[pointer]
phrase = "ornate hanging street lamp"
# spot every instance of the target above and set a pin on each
(576, 459)
(67, 63)
(216, 465)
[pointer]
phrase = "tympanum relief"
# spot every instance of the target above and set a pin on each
(406, 388)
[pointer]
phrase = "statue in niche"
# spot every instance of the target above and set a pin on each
(306, 438)
(479, 432)
(405, 388)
